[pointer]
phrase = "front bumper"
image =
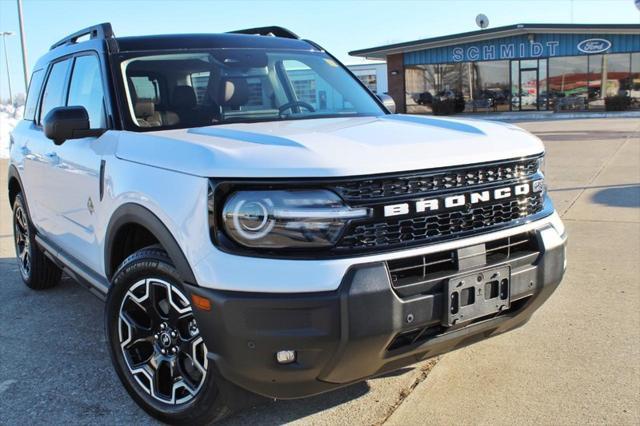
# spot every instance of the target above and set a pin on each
(356, 331)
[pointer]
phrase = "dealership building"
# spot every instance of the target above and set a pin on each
(520, 67)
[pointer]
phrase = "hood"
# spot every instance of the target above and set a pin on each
(328, 147)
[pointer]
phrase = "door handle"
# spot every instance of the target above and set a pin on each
(25, 151)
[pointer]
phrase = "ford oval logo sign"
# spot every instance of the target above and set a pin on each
(594, 45)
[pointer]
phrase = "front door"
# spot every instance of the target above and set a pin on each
(528, 89)
(76, 176)
(529, 85)
(63, 181)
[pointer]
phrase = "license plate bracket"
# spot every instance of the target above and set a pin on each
(477, 294)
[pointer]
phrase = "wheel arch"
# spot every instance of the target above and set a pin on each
(15, 186)
(135, 215)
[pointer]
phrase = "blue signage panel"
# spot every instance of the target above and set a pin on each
(527, 47)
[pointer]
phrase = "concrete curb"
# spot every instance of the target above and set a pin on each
(549, 115)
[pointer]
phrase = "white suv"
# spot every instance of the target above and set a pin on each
(259, 223)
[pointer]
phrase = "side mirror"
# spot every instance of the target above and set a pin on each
(70, 122)
(388, 102)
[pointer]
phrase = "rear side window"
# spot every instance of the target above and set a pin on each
(146, 88)
(32, 95)
(53, 95)
(86, 90)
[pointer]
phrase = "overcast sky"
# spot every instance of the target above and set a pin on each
(339, 26)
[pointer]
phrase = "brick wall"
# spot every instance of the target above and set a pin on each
(395, 65)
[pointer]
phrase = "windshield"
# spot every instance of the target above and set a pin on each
(178, 90)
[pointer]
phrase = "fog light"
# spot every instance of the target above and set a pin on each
(286, 357)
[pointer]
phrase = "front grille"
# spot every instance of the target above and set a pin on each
(385, 229)
(430, 181)
(386, 233)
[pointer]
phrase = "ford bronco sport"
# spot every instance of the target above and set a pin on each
(259, 223)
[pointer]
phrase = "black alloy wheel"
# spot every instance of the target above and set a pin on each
(37, 271)
(160, 341)
(155, 343)
(22, 235)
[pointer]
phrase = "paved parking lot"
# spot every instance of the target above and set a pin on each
(576, 362)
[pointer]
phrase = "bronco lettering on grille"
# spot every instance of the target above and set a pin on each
(459, 200)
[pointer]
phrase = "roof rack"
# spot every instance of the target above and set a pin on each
(273, 31)
(100, 31)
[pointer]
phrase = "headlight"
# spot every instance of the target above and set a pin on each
(287, 219)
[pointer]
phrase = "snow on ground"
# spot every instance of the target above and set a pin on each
(9, 117)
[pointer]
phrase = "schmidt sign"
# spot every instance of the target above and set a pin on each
(522, 47)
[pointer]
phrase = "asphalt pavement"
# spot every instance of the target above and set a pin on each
(577, 361)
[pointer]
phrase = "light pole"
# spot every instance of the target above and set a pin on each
(6, 59)
(25, 66)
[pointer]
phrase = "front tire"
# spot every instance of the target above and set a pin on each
(155, 343)
(37, 270)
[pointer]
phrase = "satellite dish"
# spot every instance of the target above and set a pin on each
(482, 21)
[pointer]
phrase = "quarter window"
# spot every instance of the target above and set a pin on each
(86, 90)
(53, 95)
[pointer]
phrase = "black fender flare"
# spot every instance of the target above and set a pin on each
(14, 174)
(137, 214)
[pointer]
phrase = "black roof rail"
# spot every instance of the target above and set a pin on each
(101, 31)
(273, 31)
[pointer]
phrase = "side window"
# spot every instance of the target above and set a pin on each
(32, 95)
(53, 95)
(86, 89)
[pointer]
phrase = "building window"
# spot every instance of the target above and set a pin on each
(609, 75)
(200, 82)
(543, 88)
(618, 74)
(305, 90)
(490, 86)
(255, 93)
(370, 81)
(515, 85)
(634, 86)
(474, 86)
(568, 82)
(422, 83)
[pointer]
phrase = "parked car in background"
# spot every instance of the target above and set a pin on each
(424, 98)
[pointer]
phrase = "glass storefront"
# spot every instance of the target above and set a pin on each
(568, 83)
(558, 83)
(634, 89)
(491, 84)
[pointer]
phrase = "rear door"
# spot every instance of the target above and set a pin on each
(40, 156)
